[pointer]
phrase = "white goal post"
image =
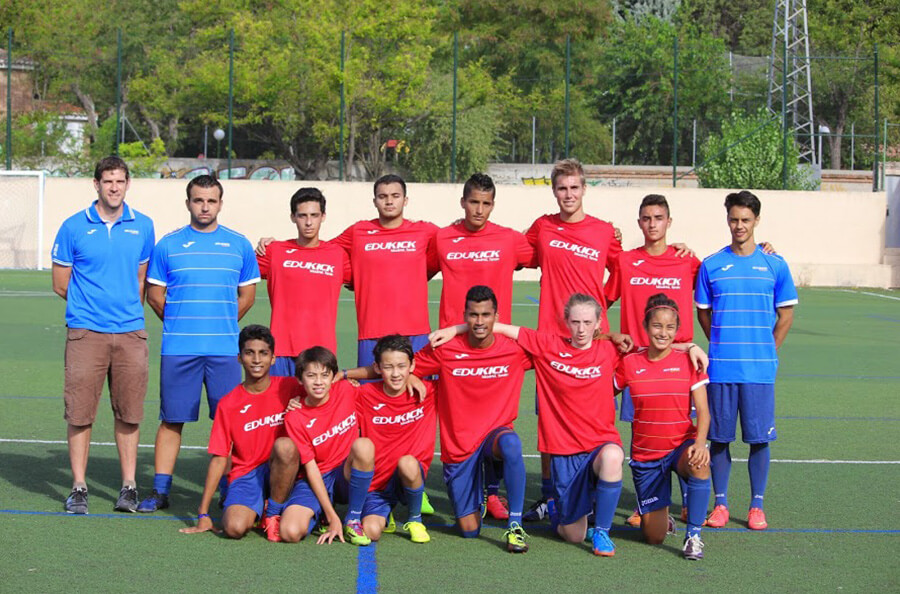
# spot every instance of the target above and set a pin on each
(22, 219)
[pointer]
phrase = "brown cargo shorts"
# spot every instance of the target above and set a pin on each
(91, 359)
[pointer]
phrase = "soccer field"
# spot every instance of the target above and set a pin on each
(833, 502)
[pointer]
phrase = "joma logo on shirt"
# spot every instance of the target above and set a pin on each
(579, 250)
(592, 372)
(485, 255)
(392, 246)
(313, 267)
(339, 429)
(492, 372)
(659, 283)
(267, 421)
(404, 419)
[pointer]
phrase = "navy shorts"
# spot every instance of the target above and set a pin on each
(250, 490)
(335, 483)
(626, 410)
(364, 356)
(653, 480)
(465, 480)
(755, 403)
(381, 502)
(181, 378)
(574, 482)
(284, 367)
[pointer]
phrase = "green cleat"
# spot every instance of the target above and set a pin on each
(515, 539)
(417, 532)
(353, 532)
(427, 508)
(391, 525)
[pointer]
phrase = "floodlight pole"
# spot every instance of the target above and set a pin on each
(118, 87)
(453, 136)
(230, 97)
(341, 130)
(568, 77)
(9, 100)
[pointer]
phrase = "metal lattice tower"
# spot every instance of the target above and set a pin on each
(789, 74)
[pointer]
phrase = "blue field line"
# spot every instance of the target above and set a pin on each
(883, 318)
(546, 528)
(532, 299)
(841, 376)
(793, 418)
(367, 570)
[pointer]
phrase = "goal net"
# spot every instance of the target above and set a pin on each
(21, 219)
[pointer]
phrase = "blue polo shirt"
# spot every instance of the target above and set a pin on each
(202, 273)
(103, 293)
(744, 293)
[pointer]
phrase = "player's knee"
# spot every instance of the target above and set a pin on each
(363, 450)
(612, 455)
(408, 467)
(235, 529)
(654, 538)
(699, 472)
(285, 452)
(510, 445)
(373, 527)
(292, 533)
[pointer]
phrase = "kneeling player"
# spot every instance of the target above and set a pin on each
(402, 428)
(663, 383)
(247, 422)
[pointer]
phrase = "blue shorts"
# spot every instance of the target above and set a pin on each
(574, 482)
(250, 490)
(465, 480)
(626, 411)
(335, 484)
(181, 378)
(284, 367)
(364, 356)
(754, 402)
(653, 480)
(380, 503)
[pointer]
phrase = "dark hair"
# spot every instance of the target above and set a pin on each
(660, 301)
(581, 299)
(307, 195)
(480, 182)
(110, 163)
(317, 354)
(479, 294)
(392, 342)
(205, 181)
(255, 332)
(654, 200)
(745, 199)
(566, 167)
(390, 178)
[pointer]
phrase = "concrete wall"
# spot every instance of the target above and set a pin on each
(829, 238)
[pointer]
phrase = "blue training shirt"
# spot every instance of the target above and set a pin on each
(743, 293)
(103, 294)
(202, 273)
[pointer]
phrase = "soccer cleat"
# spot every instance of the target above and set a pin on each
(671, 528)
(391, 525)
(127, 501)
(537, 511)
(589, 534)
(718, 517)
(77, 502)
(515, 539)
(601, 544)
(756, 519)
(427, 508)
(353, 532)
(154, 502)
(693, 548)
(497, 507)
(272, 527)
(634, 520)
(417, 532)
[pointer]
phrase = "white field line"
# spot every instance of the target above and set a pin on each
(186, 447)
(869, 293)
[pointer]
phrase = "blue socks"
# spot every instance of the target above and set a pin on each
(223, 487)
(359, 487)
(720, 464)
(162, 483)
(698, 496)
(684, 490)
(510, 447)
(414, 502)
(470, 533)
(606, 499)
(758, 465)
(492, 477)
(273, 508)
(546, 488)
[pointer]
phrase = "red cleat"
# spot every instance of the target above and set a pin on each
(272, 528)
(756, 519)
(497, 507)
(718, 518)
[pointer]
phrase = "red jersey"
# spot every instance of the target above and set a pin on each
(486, 257)
(478, 390)
(661, 392)
(573, 258)
(304, 285)
(246, 425)
(325, 433)
(576, 401)
(390, 276)
(638, 276)
(398, 426)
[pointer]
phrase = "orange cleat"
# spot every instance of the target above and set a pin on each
(272, 528)
(718, 517)
(634, 519)
(497, 507)
(756, 519)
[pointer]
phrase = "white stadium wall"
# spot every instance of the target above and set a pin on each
(828, 238)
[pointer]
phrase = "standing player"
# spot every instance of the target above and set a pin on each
(478, 252)
(480, 379)
(202, 280)
(402, 429)
(304, 282)
(248, 420)
(663, 385)
(100, 260)
(389, 258)
(745, 301)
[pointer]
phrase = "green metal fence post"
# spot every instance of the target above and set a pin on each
(453, 133)
(675, 115)
(568, 77)
(118, 88)
(341, 142)
(877, 144)
(230, 97)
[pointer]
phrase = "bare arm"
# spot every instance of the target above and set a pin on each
(783, 324)
(214, 474)
(444, 335)
(156, 298)
(246, 297)
(60, 276)
(704, 317)
(314, 478)
(507, 330)
(142, 279)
